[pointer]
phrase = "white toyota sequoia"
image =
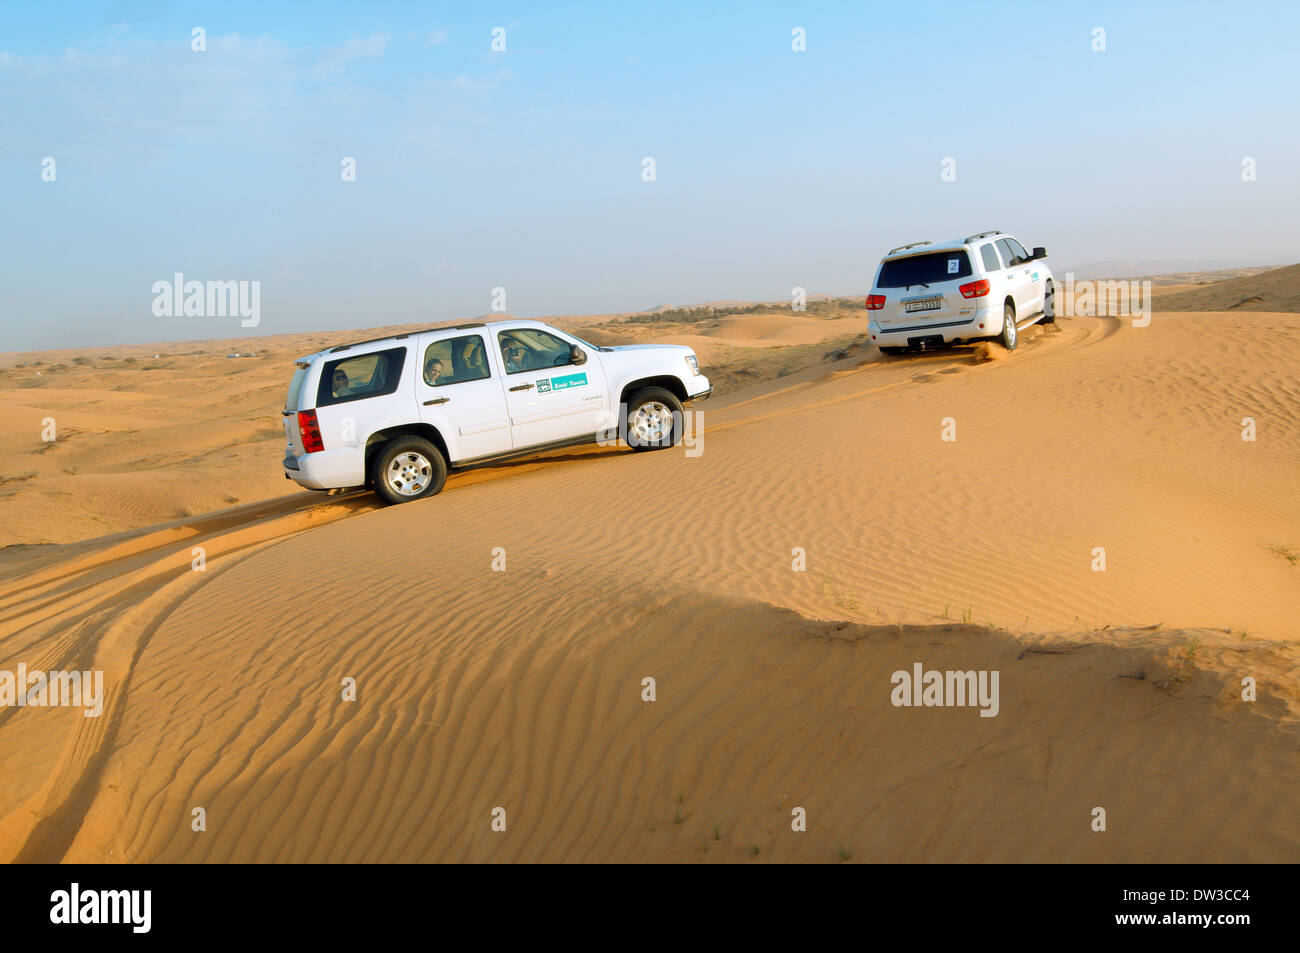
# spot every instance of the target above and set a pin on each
(983, 286)
(397, 412)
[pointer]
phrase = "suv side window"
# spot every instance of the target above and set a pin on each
(1008, 253)
(1018, 248)
(531, 349)
(356, 378)
(990, 256)
(455, 361)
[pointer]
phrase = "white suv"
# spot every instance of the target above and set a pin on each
(927, 295)
(395, 413)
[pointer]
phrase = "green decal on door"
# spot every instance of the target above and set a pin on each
(562, 383)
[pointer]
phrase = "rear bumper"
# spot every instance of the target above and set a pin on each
(982, 324)
(327, 469)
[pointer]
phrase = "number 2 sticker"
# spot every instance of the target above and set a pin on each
(953, 265)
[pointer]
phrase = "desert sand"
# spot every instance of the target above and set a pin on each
(522, 689)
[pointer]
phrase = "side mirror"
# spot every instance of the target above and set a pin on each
(577, 355)
(1039, 252)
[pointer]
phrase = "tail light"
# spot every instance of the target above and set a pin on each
(975, 289)
(309, 428)
(876, 302)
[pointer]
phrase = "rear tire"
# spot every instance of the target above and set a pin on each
(408, 468)
(652, 419)
(1049, 304)
(1010, 336)
(893, 350)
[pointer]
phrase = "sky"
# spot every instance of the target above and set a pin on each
(523, 169)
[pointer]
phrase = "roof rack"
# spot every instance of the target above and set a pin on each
(975, 238)
(386, 337)
(894, 251)
(406, 334)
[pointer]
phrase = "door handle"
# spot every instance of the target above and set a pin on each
(437, 400)
(521, 387)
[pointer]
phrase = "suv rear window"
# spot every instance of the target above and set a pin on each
(356, 378)
(295, 387)
(928, 269)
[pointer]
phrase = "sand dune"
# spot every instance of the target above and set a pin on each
(1275, 290)
(522, 689)
(768, 330)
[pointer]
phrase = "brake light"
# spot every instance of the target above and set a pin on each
(309, 428)
(975, 289)
(875, 302)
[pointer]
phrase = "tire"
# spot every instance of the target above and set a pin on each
(1009, 336)
(652, 419)
(893, 350)
(1049, 304)
(408, 468)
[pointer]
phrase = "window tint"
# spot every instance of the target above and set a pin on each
(531, 349)
(1018, 248)
(990, 256)
(928, 269)
(456, 360)
(356, 378)
(1008, 253)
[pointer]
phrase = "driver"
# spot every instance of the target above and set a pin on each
(515, 356)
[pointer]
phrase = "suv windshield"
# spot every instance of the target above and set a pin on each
(928, 269)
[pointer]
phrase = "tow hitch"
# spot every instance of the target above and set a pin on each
(926, 343)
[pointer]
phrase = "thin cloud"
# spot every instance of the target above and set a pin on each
(358, 48)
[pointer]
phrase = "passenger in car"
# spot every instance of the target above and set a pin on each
(340, 383)
(433, 372)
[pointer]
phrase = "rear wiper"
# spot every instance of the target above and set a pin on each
(919, 285)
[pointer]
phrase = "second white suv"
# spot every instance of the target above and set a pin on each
(397, 412)
(982, 286)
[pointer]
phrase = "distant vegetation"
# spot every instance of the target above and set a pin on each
(817, 308)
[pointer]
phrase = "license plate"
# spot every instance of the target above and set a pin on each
(925, 304)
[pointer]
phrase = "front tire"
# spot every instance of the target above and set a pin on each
(652, 419)
(1010, 336)
(1049, 304)
(408, 468)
